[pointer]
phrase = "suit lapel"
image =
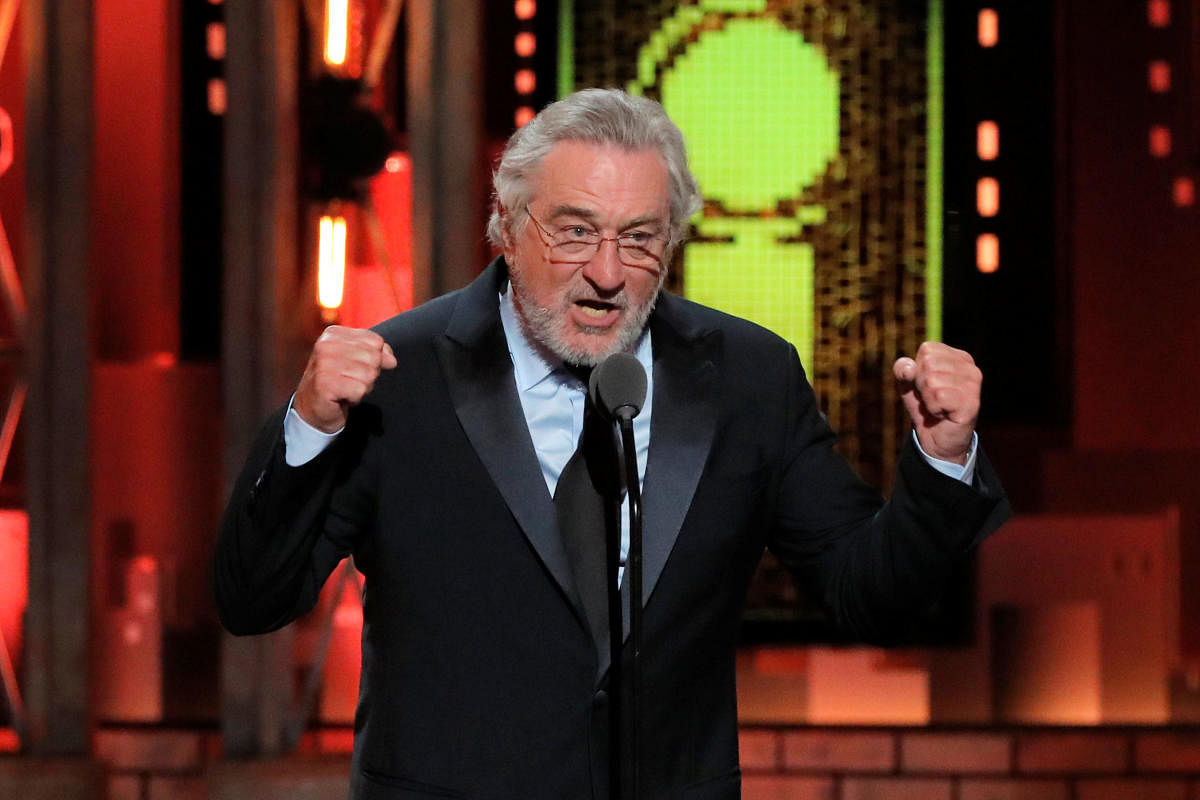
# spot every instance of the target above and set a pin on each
(478, 369)
(681, 434)
(474, 358)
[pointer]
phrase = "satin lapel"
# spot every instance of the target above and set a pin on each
(681, 434)
(478, 370)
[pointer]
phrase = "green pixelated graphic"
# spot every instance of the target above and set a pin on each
(758, 106)
(756, 277)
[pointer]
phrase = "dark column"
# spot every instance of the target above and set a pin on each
(263, 338)
(58, 137)
(445, 133)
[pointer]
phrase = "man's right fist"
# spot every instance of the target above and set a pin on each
(341, 369)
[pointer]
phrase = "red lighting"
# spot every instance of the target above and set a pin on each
(525, 81)
(1160, 141)
(1158, 12)
(214, 35)
(987, 252)
(989, 27)
(6, 141)
(14, 589)
(987, 197)
(396, 162)
(525, 9)
(217, 100)
(525, 44)
(523, 115)
(987, 140)
(1159, 77)
(1184, 192)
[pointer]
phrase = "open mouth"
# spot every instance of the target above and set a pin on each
(596, 309)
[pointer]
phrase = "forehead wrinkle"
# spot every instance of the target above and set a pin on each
(564, 210)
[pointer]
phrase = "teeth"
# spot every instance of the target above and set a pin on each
(594, 312)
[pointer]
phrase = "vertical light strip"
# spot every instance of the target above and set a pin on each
(566, 47)
(331, 261)
(934, 116)
(337, 31)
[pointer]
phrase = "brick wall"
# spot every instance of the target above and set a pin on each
(784, 763)
(778, 763)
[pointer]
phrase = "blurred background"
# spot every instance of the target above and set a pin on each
(191, 189)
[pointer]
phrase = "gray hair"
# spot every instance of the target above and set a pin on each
(598, 116)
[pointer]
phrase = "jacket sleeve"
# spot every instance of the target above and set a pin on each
(873, 565)
(273, 550)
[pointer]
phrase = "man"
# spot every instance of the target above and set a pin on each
(430, 449)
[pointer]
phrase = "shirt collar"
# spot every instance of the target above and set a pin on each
(530, 365)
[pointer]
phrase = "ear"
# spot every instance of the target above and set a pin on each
(506, 237)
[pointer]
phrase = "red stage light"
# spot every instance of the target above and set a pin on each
(217, 100)
(214, 36)
(989, 27)
(525, 9)
(525, 44)
(1184, 192)
(987, 197)
(525, 81)
(1158, 12)
(987, 140)
(1159, 77)
(1160, 141)
(987, 252)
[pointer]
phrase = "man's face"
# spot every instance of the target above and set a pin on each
(585, 312)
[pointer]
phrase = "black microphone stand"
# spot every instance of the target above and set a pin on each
(612, 552)
(634, 566)
(618, 386)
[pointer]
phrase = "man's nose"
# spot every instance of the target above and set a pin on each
(605, 270)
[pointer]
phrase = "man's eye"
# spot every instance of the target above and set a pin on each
(636, 237)
(575, 232)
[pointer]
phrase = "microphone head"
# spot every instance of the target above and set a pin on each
(618, 386)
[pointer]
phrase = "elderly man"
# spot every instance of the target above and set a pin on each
(430, 448)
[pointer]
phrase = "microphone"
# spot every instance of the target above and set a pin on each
(618, 386)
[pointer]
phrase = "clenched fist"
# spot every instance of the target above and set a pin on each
(940, 389)
(341, 369)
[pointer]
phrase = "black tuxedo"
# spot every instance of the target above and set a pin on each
(479, 673)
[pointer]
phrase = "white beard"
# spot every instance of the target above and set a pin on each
(550, 328)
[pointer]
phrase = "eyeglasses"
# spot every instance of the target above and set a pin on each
(578, 244)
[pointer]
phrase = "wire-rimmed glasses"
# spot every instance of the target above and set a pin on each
(577, 243)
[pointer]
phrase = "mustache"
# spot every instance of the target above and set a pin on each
(619, 299)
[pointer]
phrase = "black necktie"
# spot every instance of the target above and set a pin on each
(579, 503)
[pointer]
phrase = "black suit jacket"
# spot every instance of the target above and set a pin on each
(479, 676)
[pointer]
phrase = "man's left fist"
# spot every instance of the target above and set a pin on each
(940, 389)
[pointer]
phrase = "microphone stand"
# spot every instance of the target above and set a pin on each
(618, 386)
(612, 553)
(634, 566)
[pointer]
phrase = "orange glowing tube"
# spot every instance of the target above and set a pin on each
(331, 261)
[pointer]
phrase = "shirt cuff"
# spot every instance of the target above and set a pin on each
(301, 441)
(960, 472)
